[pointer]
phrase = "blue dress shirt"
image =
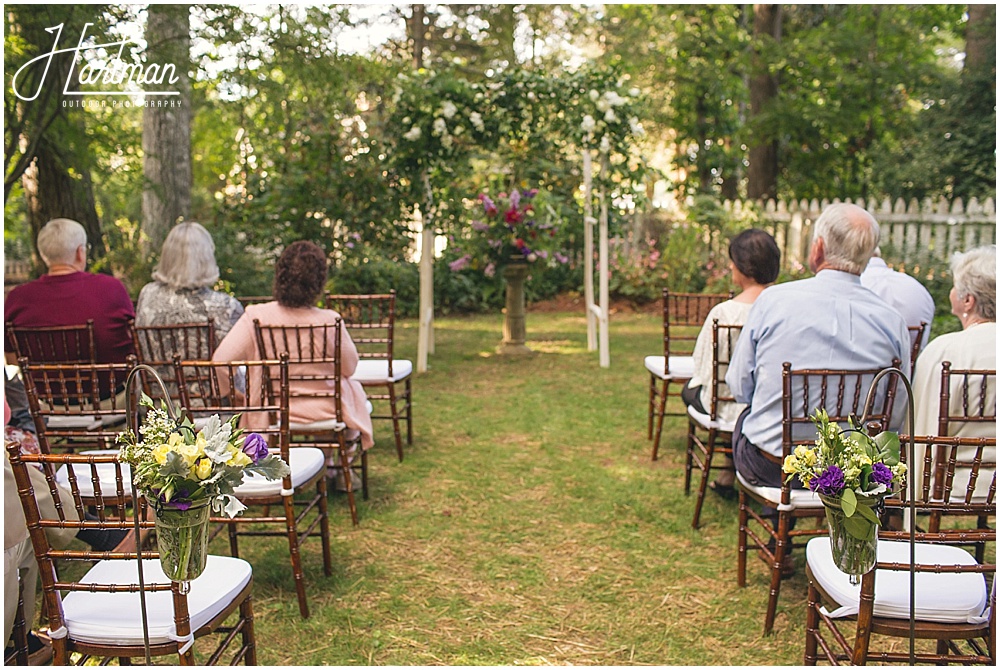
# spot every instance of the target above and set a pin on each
(829, 321)
(903, 292)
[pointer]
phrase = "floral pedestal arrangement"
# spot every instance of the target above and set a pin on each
(514, 331)
(182, 540)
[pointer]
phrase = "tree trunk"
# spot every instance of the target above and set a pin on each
(166, 124)
(55, 188)
(762, 175)
(417, 34)
(981, 40)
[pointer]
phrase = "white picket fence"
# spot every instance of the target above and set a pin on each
(925, 232)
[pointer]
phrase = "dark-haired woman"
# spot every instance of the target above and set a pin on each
(754, 260)
(299, 278)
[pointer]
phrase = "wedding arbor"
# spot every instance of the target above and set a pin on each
(446, 124)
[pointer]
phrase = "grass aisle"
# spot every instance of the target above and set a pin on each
(527, 526)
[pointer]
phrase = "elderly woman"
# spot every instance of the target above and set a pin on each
(299, 278)
(182, 288)
(754, 260)
(973, 301)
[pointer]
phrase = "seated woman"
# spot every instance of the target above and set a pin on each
(754, 262)
(299, 277)
(973, 300)
(182, 288)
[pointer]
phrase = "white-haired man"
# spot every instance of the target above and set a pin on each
(68, 295)
(829, 321)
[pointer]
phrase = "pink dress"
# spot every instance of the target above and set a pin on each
(241, 344)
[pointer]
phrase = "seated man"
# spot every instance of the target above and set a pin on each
(829, 321)
(67, 295)
(904, 293)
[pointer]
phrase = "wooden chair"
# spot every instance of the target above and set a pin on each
(206, 388)
(54, 344)
(68, 406)
(917, 341)
(968, 409)
(718, 432)
(952, 602)
(371, 320)
(685, 313)
(314, 374)
(19, 632)
(99, 614)
(842, 394)
(156, 346)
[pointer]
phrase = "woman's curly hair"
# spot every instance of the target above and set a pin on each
(300, 275)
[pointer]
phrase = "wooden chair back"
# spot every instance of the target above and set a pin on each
(54, 344)
(724, 338)
(157, 346)
(842, 393)
(916, 343)
(683, 316)
(69, 404)
(370, 319)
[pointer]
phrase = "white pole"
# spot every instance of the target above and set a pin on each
(588, 250)
(425, 333)
(605, 352)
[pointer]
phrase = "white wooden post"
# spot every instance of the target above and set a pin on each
(425, 333)
(605, 267)
(588, 250)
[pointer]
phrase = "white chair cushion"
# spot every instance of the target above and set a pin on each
(376, 371)
(115, 618)
(800, 498)
(325, 426)
(305, 462)
(681, 367)
(705, 421)
(105, 476)
(941, 598)
(73, 422)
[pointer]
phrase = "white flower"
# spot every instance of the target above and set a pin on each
(634, 92)
(613, 98)
(588, 123)
(605, 144)
(459, 130)
(446, 141)
(413, 134)
(448, 109)
(603, 105)
(439, 127)
(594, 95)
(610, 116)
(636, 127)
(531, 96)
(476, 119)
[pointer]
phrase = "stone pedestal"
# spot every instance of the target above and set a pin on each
(513, 320)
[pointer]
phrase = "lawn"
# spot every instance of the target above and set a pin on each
(527, 526)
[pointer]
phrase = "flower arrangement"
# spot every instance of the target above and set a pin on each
(177, 467)
(851, 470)
(509, 230)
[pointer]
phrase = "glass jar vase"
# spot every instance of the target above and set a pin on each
(182, 540)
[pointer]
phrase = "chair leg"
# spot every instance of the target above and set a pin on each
(324, 526)
(247, 634)
(651, 411)
(741, 554)
(395, 421)
(19, 634)
(293, 549)
(364, 475)
(234, 540)
(689, 458)
(409, 413)
(659, 420)
(345, 467)
(780, 549)
(703, 486)
(812, 624)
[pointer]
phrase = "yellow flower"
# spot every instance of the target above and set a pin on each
(791, 464)
(203, 470)
(160, 453)
(238, 458)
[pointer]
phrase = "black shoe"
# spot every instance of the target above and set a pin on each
(102, 540)
(724, 491)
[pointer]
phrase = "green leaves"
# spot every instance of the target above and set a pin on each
(888, 447)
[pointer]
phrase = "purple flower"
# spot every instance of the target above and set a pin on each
(255, 446)
(515, 199)
(488, 205)
(459, 263)
(561, 258)
(531, 194)
(830, 483)
(881, 474)
(479, 226)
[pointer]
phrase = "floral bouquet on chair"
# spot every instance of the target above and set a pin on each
(510, 230)
(853, 473)
(187, 473)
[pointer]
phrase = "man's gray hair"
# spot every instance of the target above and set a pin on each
(188, 258)
(59, 239)
(975, 274)
(850, 235)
